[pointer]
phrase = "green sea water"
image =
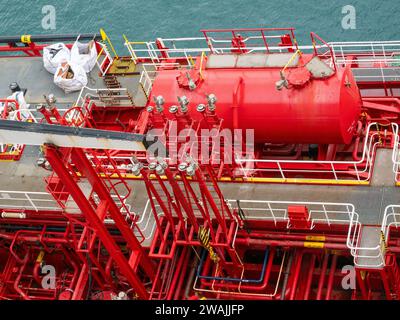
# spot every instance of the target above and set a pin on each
(148, 19)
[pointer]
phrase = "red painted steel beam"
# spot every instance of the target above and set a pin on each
(322, 276)
(84, 166)
(331, 277)
(114, 250)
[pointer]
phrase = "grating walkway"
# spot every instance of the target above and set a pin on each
(383, 170)
(370, 238)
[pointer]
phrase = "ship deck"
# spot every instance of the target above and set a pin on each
(369, 201)
(30, 74)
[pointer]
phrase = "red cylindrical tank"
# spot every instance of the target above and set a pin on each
(323, 111)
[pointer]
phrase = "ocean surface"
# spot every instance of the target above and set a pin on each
(148, 19)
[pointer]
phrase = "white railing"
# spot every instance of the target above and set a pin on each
(396, 152)
(370, 257)
(31, 115)
(277, 211)
(374, 256)
(147, 77)
(391, 219)
(248, 167)
(375, 60)
(376, 49)
(88, 94)
(106, 59)
(17, 115)
(328, 213)
(28, 200)
(194, 48)
(188, 48)
(147, 222)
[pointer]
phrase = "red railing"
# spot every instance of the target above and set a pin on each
(248, 37)
(327, 54)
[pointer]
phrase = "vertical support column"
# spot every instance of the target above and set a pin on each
(361, 284)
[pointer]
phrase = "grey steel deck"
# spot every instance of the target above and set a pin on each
(383, 174)
(30, 74)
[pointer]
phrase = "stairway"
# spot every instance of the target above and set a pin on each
(114, 97)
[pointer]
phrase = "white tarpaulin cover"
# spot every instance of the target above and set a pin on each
(84, 54)
(54, 55)
(70, 77)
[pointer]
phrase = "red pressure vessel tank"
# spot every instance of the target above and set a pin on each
(322, 111)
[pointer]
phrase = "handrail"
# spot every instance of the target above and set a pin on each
(319, 212)
(367, 158)
(391, 218)
(315, 36)
(298, 52)
(235, 31)
(105, 38)
(107, 58)
(396, 152)
(375, 253)
(203, 55)
(28, 200)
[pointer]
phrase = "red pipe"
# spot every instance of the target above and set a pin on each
(178, 291)
(331, 277)
(299, 259)
(81, 283)
(302, 237)
(236, 103)
(261, 243)
(310, 277)
(322, 276)
(177, 273)
(84, 165)
(357, 142)
(17, 280)
(74, 266)
(386, 285)
(252, 288)
(36, 275)
(361, 284)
